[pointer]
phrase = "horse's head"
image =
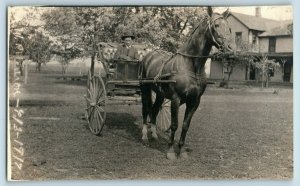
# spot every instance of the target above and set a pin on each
(219, 31)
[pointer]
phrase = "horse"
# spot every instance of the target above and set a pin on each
(186, 67)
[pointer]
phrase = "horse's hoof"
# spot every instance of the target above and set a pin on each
(171, 156)
(184, 155)
(145, 141)
(154, 136)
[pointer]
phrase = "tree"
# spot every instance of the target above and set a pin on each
(229, 62)
(82, 27)
(283, 62)
(163, 27)
(28, 32)
(267, 68)
(95, 25)
(239, 58)
(60, 23)
(34, 44)
(65, 54)
(38, 49)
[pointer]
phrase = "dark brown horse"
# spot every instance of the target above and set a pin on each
(187, 69)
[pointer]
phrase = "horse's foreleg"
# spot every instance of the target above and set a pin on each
(191, 107)
(155, 109)
(174, 125)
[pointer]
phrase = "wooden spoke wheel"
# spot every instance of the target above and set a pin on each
(96, 101)
(163, 120)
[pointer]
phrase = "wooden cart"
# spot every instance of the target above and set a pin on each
(120, 85)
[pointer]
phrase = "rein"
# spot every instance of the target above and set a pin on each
(187, 55)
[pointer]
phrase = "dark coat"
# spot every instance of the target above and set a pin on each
(126, 53)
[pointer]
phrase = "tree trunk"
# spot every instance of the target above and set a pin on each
(267, 80)
(92, 64)
(39, 63)
(63, 70)
(283, 63)
(39, 67)
(262, 76)
(227, 81)
(64, 67)
(256, 76)
(21, 68)
(262, 81)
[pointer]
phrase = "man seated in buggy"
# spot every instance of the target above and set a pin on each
(126, 51)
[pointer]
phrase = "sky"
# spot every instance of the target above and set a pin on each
(271, 12)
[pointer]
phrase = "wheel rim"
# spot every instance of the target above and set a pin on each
(163, 119)
(96, 102)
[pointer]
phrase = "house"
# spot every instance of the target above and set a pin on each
(277, 43)
(259, 36)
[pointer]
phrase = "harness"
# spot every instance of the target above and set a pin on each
(159, 74)
(199, 77)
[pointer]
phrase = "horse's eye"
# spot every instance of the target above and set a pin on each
(216, 25)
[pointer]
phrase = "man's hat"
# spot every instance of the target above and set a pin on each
(127, 34)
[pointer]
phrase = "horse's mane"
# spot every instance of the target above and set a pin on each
(202, 24)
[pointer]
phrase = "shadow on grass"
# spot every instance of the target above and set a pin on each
(71, 82)
(124, 125)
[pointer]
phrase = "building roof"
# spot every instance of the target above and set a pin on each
(282, 30)
(256, 23)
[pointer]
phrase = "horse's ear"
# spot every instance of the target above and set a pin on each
(226, 13)
(209, 11)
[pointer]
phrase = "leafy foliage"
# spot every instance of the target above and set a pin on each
(26, 37)
(266, 67)
(38, 49)
(163, 27)
(85, 27)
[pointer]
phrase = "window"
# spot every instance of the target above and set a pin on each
(254, 38)
(272, 44)
(238, 38)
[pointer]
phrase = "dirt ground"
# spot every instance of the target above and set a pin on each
(241, 133)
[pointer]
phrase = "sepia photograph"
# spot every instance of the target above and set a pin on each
(149, 93)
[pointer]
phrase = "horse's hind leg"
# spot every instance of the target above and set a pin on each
(191, 107)
(154, 111)
(146, 109)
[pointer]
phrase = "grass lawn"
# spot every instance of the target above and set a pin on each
(241, 133)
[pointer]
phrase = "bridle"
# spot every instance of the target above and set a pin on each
(210, 25)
